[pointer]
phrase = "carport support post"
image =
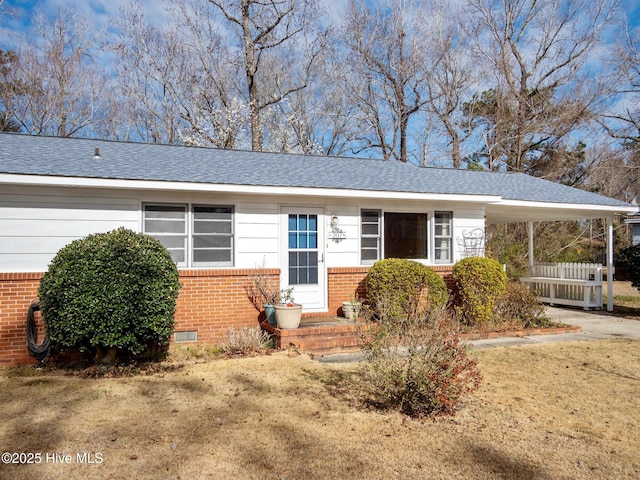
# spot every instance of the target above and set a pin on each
(530, 247)
(610, 264)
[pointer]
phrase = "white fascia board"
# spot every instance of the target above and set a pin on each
(36, 180)
(610, 209)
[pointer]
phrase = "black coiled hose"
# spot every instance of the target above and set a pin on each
(39, 352)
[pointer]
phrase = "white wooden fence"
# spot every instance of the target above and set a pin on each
(575, 284)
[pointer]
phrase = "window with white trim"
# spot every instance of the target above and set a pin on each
(370, 236)
(443, 237)
(168, 224)
(196, 236)
(406, 235)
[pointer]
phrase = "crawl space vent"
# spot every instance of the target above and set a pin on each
(180, 337)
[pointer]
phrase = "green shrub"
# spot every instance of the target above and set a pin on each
(631, 258)
(401, 282)
(415, 362)
(480, 283)
(112, 291)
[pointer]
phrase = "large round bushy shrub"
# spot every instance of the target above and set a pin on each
(480, 283)
(631, 258)
(398, 283)
(110, 291)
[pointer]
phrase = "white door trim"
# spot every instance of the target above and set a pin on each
(313, 297)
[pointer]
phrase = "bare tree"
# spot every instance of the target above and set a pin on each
(9, 88)
(451, 70)
(622, 120)
(148, 66)
(61, 84)
(265, 28)
(542, 93)
(385, 76)
(325, 118)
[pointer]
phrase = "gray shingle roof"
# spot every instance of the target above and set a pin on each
(72, 157)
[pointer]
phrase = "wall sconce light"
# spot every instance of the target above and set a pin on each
(336, 233)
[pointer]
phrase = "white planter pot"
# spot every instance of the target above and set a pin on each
(288, 317)
(350, 310)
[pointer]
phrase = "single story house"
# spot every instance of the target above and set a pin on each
(314, 223)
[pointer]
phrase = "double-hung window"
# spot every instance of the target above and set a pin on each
(195, 236)
(168, 224)
(371, 236)
(443, 237)
(408, 235)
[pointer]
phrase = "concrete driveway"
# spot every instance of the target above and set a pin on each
(595, 324)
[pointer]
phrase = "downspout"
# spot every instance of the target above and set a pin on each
(610, 264)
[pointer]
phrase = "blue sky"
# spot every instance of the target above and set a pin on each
(100, 11)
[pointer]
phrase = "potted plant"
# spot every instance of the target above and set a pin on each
(351, 309)
(264, 293)
(288, 314)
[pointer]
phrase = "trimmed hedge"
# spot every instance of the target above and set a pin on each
(114, 290)
(480, 283)
(398, 283)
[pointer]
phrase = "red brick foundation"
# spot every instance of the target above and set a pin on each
(346, 282)
(210, 302)
(17, 291)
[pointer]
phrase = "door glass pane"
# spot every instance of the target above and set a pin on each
(302, 240)
(303, 244)
(293, 276)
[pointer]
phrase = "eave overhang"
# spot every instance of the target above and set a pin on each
(147, 185)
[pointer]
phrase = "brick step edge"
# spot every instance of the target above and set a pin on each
(521, 333)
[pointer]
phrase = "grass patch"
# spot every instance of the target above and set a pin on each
(537, 415)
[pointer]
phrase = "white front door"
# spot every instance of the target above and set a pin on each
(303, 267)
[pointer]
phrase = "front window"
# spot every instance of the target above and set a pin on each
(168, 224)
(207, 242)
(212, 235)
(443, 237)
(371, 236)
(406, 235)
(416, 236)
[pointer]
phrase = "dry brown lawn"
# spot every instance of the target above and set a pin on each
(626, 300)
(561, 411)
